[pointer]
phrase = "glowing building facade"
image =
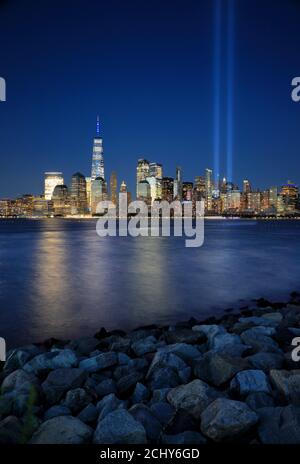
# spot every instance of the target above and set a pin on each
(52, 179)
(97, 160)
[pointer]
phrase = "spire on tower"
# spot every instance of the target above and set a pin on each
(98, 126)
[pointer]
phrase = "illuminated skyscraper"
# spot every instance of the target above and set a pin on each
(290, 193)
(97, 161)
(187, 191)
(52, 179)
(167, 193)
(246, 186)
(88, 181)
(142, 171)
(78, 194)
(208, 188)
(155, 170)
(98, 193)
(113, 187)
(178, 184)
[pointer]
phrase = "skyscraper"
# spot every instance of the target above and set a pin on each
(167, 189)
(155, 170)
(52, 179)
(178, 184)
(208, 188)
(98, 193)
(97, 161)
(78, 194)
(142, 171)
(113, 187)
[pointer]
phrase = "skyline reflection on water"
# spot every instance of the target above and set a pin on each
(59, 279)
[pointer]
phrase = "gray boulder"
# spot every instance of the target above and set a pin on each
(18, 381)
(266, 361)
(188, 336)
(218, 368)
(62, 430)
(106, 387)
(50, 361)
(288, 384)
(10, 431)
(56, 411)
(250, 381)
(226, 419)
(163, 411)
(259, 400)
(60, 381)
(84, 345)
(193, 397)
(108, 404)
(279, 426)
(147, 345)
(140, 394)
(127, 383)
(77, 399)
(99, 362)
(259, 342)
(17, 358)
(89, 414)
(119, 427)
(165, 377)
(145, 416)
(187, 353)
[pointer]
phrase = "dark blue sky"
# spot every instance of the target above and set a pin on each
(146, 66)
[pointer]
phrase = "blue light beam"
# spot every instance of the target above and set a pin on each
(217, 88)
(230, 89)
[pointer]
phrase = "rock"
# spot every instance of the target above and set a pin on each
(250, 381)
(259, 400)
(77, 399)
(140, 394)
(181, 422)
(97, 363)
(123, 359)
(276, 317)
(84, 345)
(288, 384)
(119, 427)
(164, 359)
(188, 336)
(56, 411)
(279, 426)
(151, 424)
(210, 331)
(266, 361)
(10, 431)
(60, 381)
(165, 377)
(163, 411)
(184, 438)
(18, 381)
(159, 394)
(108, 404)
(226, 419)
(217, 369)
(259, 342)
(126, 385)
(18, 357)
(188, 353)
(106, 387)
(6, 404)
(259, 321)
(121, 346)
(89, 414)
(62, 430)
(193, 397)
(147, 345)
(52, 360)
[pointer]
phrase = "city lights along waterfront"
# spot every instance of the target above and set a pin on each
(81, 197)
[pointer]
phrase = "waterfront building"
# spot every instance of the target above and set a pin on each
(98, 193)
(78, 194)
(123, 189)
(290, 194)
(113, 187)
(167, 189)
(88, 181)
(61, 201)
(254, 202)
(200, 187)
(155, 170)
(52, 179)
(177, 186)
(155, 188)
(208, 189)
(144, 191)
(97, 159)
(187, 191)
(246, 186)
(142, 172)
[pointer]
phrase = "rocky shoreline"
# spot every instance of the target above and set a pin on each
(231, 379)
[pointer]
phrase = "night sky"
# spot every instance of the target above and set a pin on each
(147, 68)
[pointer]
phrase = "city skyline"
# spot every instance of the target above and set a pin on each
(152, 78)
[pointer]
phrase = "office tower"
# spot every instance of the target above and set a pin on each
(254, 202)
(208, 188)
(60, 199)
(233, 201)
(177, 189)
(123, 189)
(246, 186)
(223, 188)
(167, 189)
(88, 181)
(155, 188)
(52, 179)
(97, 160)
(144, 191)
(113, 187)
(142, 171)
(98, 193)
(273, 193)
(265, 201)
(199, 187)
(155, 170)
(187, 191)
(78, 194)
(290, 194)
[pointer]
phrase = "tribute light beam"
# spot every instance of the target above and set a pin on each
(217, 87)
(230, 88)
